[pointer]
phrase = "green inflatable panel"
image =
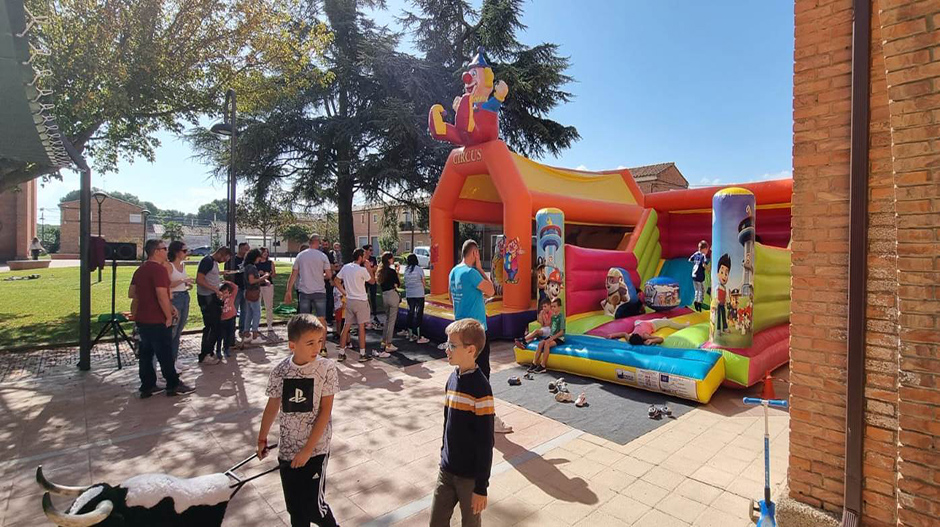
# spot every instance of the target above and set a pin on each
(736, 367)
(771, 260)
(771, 287)
(770, 314)
(691, 337)
(645, 236)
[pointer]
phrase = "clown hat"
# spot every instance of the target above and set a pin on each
(479, 60)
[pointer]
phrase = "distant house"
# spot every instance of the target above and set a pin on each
(121, 221)
(368, 221)
(658, 178)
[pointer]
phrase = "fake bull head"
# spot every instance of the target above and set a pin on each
(141, 501)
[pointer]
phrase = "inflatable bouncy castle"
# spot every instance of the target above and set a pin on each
(618, 258)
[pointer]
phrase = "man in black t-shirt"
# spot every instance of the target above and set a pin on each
(208, 282)
(238, 278)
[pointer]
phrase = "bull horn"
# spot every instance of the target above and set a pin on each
(88, 519)
(61, 490)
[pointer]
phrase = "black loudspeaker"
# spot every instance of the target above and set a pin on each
(120, 251)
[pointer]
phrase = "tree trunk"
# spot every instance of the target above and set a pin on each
(344, 201)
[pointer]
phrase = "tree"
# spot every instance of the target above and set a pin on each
(216, 210)
(388, 239)
(297, 233)
(50, 237)
(172, 231)
(364, 132)
(122, 71)
(265, 212)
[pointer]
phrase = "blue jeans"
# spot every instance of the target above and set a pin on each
(155, 342)
(241, 306)
(180, 301)
(252, 315)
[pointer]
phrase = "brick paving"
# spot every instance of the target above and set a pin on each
(698, 470)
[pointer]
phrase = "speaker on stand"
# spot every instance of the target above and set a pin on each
(116, 251)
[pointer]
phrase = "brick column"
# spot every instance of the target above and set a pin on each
(911, 32)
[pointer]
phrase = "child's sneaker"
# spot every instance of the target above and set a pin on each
(391, 348)
(540, 369)
(364, 356)
(422, 340)
(500, 427)
(383, 354)
(323, 353)
(582, 401)
(521, 344)
(341, 357)
(563, 397)
(403, 333)
(514, 381)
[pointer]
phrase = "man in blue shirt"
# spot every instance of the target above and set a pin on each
(468, 283)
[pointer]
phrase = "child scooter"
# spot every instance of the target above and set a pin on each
(763, 513)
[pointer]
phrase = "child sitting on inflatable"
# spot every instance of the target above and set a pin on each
(540, 362)
(643, 331)
(545, 325)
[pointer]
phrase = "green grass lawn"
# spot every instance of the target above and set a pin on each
(44, 311)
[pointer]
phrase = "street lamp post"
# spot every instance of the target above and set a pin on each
(143, 254)
(229, 128)
(99, 197)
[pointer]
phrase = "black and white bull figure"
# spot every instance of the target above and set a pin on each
(147, 500)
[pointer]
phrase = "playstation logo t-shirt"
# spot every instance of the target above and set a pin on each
(300, 389)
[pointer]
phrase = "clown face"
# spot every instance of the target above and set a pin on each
(478, 83)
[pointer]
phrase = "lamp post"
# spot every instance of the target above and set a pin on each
(99, 197)
(228, 127)
(143, 254)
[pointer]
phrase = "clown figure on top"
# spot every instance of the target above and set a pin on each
(476, 111)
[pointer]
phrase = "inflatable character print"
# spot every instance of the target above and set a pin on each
(617, 292)
(721, 296)
(541, 273)
(476, 111)
(497, 265)
(553, 288)
(511, 260)
(746, 238)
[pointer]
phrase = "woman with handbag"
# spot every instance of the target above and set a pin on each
(254, 280)
(389, 281)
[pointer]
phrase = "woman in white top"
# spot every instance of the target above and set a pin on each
(414, 293)
(180, 284)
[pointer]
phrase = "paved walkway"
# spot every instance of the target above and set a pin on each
(700, 469)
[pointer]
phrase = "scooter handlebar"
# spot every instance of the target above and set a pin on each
(779, 403)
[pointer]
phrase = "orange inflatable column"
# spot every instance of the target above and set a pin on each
(517, 225)
(442, 248)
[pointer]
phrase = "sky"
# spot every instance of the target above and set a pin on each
(707, 85)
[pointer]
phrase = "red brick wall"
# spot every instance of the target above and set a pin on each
(911, 32)
(17, 221)
(115, 224)
(901, 485)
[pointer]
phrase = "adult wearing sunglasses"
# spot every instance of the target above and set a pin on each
(155, 315)
(180, 284)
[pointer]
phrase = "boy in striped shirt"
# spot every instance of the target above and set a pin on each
(467, 452)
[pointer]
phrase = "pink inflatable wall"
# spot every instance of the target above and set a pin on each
(679, 234)
(586, 271)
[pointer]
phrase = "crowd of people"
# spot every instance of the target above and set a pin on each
(301, 388)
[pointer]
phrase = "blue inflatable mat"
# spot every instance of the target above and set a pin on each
(692, 363)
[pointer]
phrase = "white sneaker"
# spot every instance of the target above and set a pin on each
(403, 333)
(383, 355)
(422, 340)
(391, 347)
(500, 427)
(323, 352)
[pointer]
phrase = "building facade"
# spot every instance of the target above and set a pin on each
(121, 221)
(900, 480)
(368, 221)
(18, 220)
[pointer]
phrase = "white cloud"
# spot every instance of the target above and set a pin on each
(705, 181)
(621, 167)
(783, 174)
(581, 167)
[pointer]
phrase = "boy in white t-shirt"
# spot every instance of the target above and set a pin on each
(355, 277)
(301, 388)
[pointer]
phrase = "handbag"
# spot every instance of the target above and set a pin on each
(253, 295)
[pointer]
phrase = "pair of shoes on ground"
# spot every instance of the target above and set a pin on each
(418, 340)
(179, 389)
(659, 413)
(565, 397)
(558, 385)
(536, 368)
